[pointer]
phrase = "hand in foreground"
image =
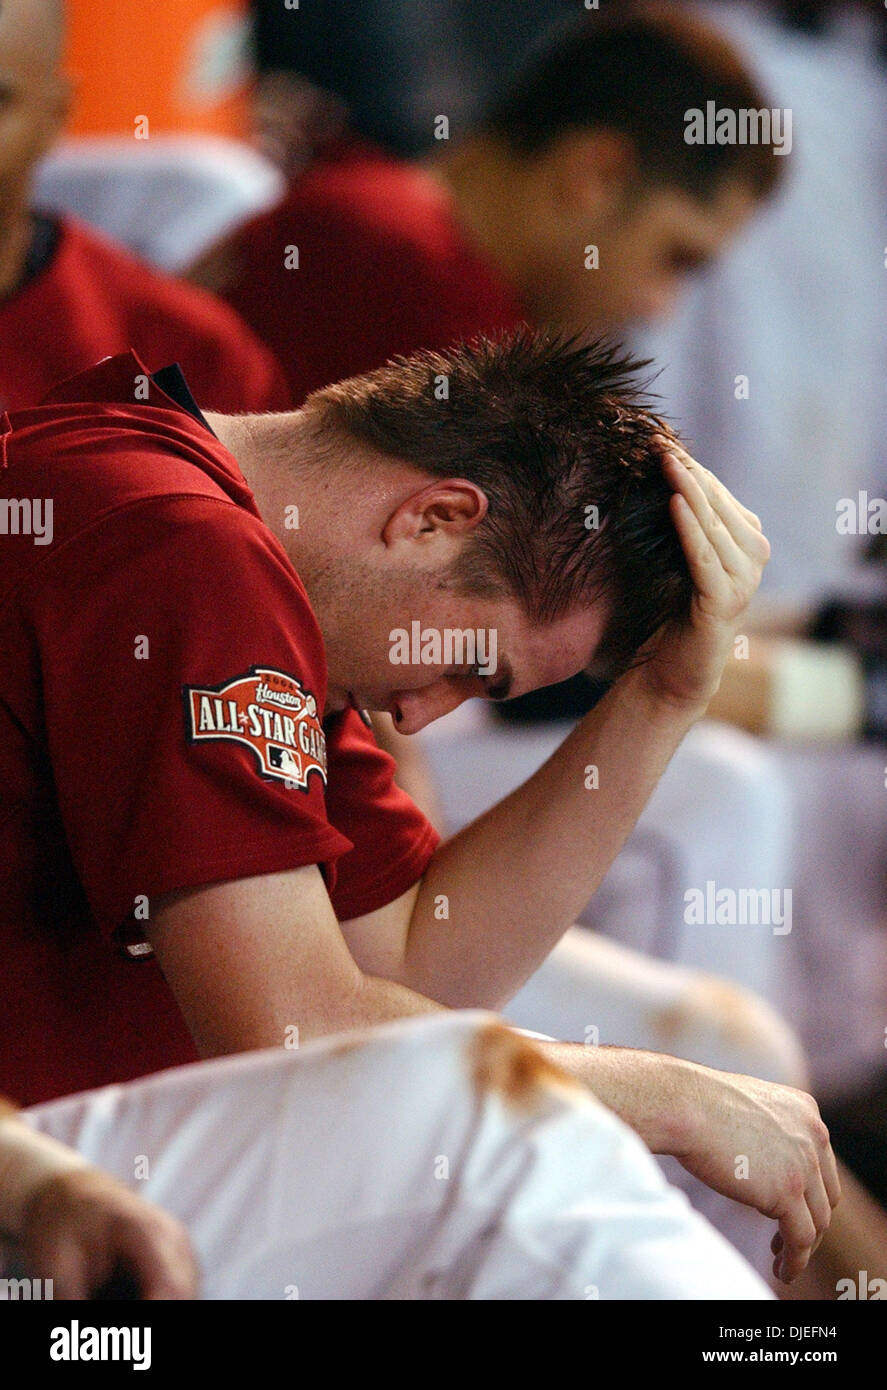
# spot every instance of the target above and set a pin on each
(765, 1145)
(82, 1229)
(726, 552)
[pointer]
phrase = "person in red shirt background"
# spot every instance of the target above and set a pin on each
(368, 256)
(68, 296)
(383, 268)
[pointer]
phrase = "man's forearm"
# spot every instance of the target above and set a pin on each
(516, 878)
(650, 1092)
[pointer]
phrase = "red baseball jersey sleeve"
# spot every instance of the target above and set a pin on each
(183, 676)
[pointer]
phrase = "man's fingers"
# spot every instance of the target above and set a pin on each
(731, 555)
(96, 1229)
(720, 573)
(743, 549)
(705, 568)
(819, 1207)
(166, 1270)
(66, 1262)
(829, 1164)
(798, 1232)
(155, 1250)
(719, 495)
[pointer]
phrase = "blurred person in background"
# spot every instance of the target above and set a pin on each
(68, 296)
(775, 366)
(443, 59)
(494, 229)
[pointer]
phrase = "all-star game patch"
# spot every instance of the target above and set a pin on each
(268, 711)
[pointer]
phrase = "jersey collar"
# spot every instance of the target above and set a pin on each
(125, 378)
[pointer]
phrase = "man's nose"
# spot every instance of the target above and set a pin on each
(421, 707)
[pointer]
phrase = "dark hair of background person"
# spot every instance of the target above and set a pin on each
(396, 64)
(638, 72)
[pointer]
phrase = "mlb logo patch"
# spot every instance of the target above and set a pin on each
(268, 711)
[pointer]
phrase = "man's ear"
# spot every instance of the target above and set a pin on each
(448, 505)
(591, 173)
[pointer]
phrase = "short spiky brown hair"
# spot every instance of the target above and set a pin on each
(548, 428)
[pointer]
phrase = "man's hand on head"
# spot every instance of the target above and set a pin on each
(726, 552)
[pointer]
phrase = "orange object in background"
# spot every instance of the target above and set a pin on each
(180, 63)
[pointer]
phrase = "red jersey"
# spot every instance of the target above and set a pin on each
(161, 724)
(383, 268)
(92, 299)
